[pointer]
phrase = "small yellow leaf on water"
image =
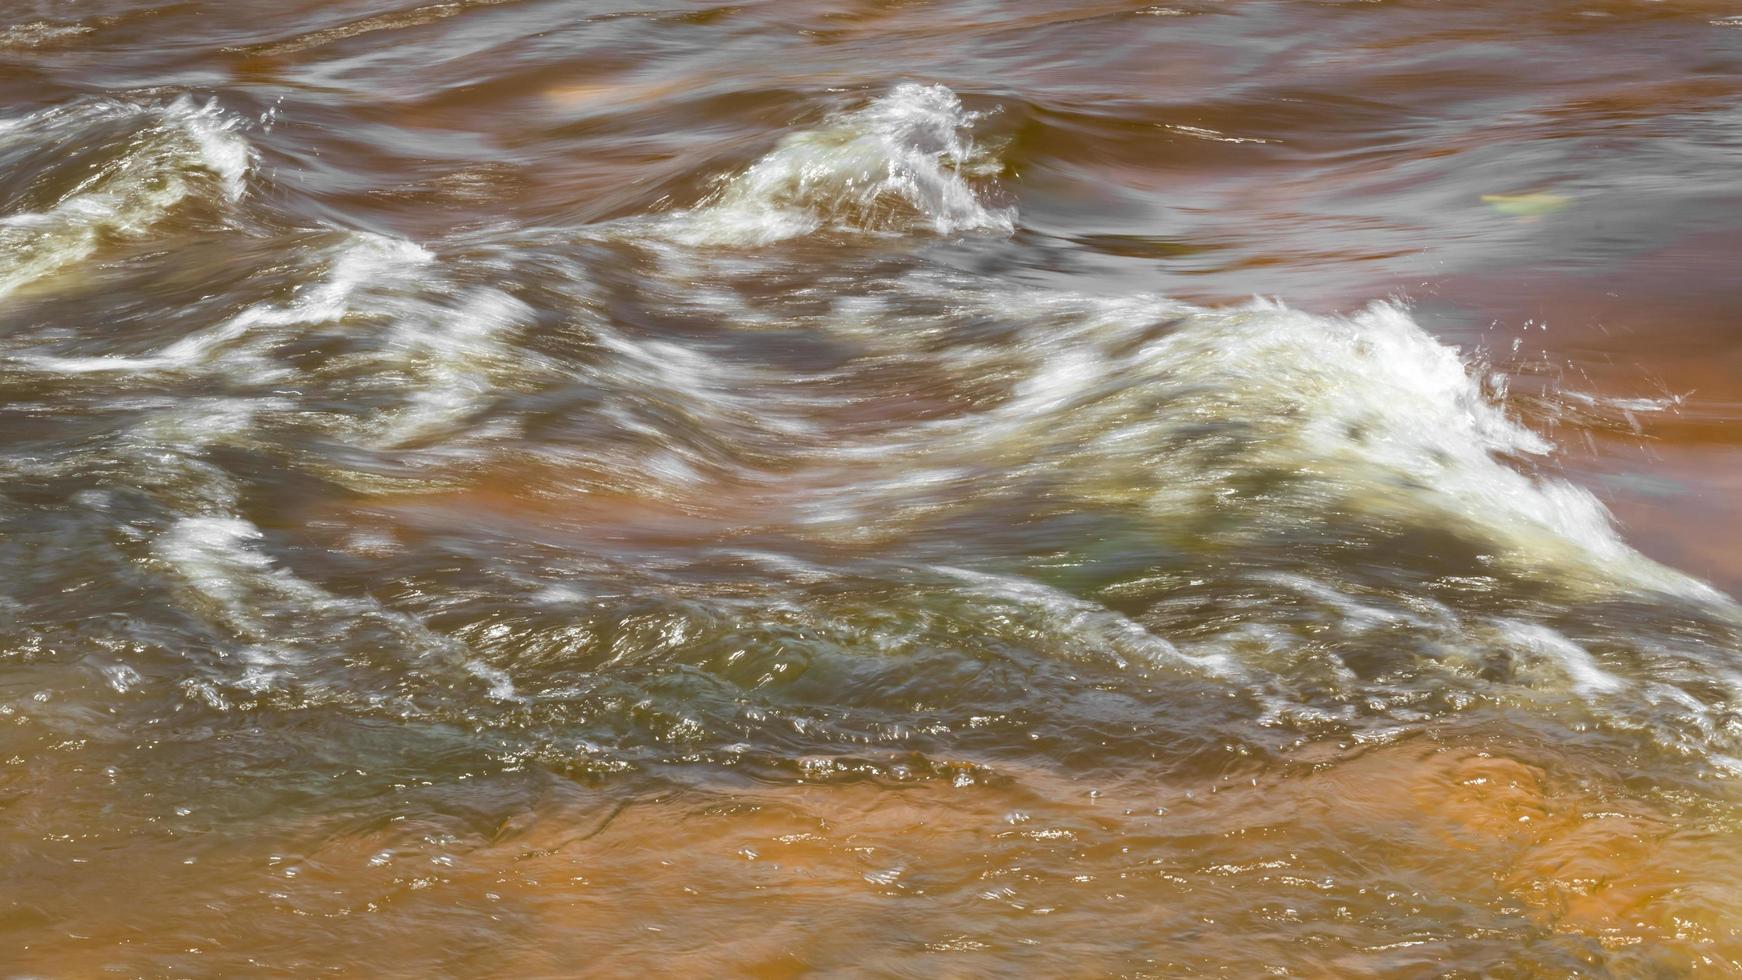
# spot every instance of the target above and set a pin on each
(1525, 205)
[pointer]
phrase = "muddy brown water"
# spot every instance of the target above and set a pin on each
(535, 488)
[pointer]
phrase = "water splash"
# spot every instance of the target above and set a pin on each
(903, 163)
(174, 150)
(1187, 410)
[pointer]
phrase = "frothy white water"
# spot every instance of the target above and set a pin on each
(175, 148)
(362, 261)
(451, 353)
(902, 163)
(436, 335)
(1572, 660)
(217, 558)
(1185, 411)
(932, 404)
(1387, 418)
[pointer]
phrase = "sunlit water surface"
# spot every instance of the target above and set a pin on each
(536, 488)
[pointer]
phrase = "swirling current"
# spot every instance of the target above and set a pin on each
(527, 488)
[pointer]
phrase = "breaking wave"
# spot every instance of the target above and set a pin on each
(171, 153)
(903, 163)
(1293, 479)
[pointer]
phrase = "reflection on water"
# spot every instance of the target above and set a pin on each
(492, 488)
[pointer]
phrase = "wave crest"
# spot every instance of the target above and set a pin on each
(174, 150)
(902, 163)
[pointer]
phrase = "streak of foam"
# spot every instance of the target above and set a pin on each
(174, 150)
(416, 17)
(902, 163)
(451, 356)
(1083, 620)
(440, 344)
(1580, 668)
(722, 392)
(1352, 615)
(40, 33)
(277, 615)
(360, 263)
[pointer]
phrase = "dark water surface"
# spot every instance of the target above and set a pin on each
(535, 488)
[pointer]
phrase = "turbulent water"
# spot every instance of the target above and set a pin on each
(526, 488)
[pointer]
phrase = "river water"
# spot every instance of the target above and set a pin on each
(538, 488)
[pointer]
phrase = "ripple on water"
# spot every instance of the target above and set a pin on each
(490, 490)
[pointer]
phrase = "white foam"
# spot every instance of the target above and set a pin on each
(40, 32)
(172, 148)
(218, 556)
(1353, 615)
(362, 261)
(451, 353)
(1581, 669)
(1392, 423)
(900, 164)
(725, 393)
(1142, 400)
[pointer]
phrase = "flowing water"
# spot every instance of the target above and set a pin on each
(1079, 487)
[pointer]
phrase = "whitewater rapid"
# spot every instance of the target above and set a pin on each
(1256, 459)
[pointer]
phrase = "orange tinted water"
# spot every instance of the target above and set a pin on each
(516, 487)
